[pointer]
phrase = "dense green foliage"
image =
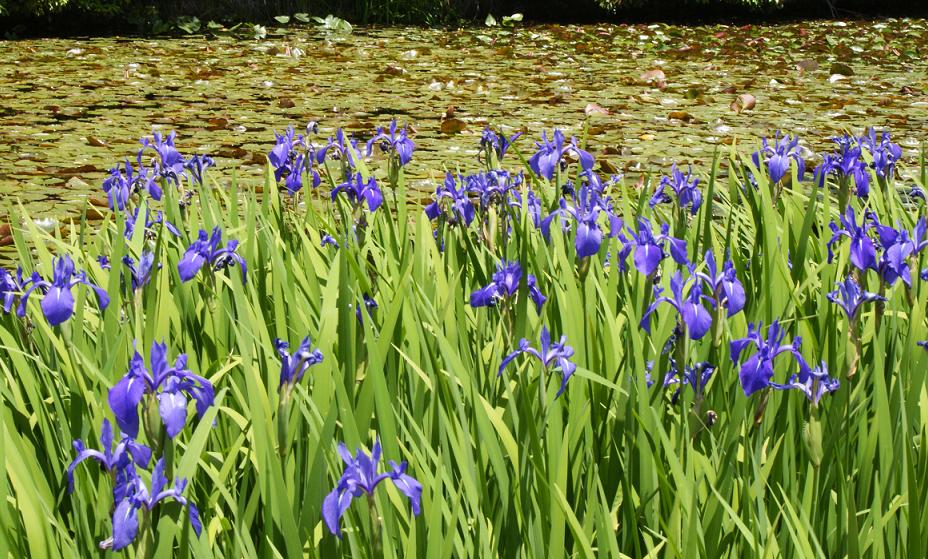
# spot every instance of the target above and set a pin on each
(610, 469)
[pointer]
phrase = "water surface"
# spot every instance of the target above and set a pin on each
(70, 109)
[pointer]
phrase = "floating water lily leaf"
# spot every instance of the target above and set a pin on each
(841, 68)
(95, 142)
(283, 20)
(452, 126)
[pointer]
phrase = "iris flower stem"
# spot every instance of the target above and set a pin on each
(283, 423)
(761, 408)
(376, 540)
(880, 306)
(844, 194)
(146, 549)
(855, 348)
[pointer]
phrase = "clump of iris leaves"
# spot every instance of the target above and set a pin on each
(542, 361)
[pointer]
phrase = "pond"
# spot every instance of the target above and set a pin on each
(647, 95)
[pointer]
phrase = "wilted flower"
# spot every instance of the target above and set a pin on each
(814, 383)
(685, 188)
(58, 301)
(693, 314)
(849, 296)
(504, 284)
(396, 140)
(151, 219)
(552, 356)
(205, 250)
(140, 274)
(110, 459)
(292, 367)
(360, 477)
(777, 157)
(136, 495)
(165, 386)
(756, 372)
(696, 377)
(550, 152)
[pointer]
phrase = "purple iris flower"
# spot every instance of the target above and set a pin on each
(923, 344)
(885, 153)
(585, 211)
(695, 376)
(726, 289)
(125, 180)
(140, 274)
(552, 355)
(550, 153)
(58, 301)
(196, 164)
(847, 163)
(504, 284)
(283, 154)
(396, 140)
(328, 240)
(777, 157)
(899, 247)
(9, 288)
(165, 386)
(649, 248)
(357, 191)
(694, 315)
(814, 383)
(461, 207)
(756, 372)
(369, 305)
(292, 367)
(104, 262)
(289, 163)
(360, 476)
(863, 251)
(206, 250)
(342, 148)
(849, 296)
(499, 143)
(110, 459)
(684, 187)
(170, 163)
(495, 188)
(136, 495)
(150, 222)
